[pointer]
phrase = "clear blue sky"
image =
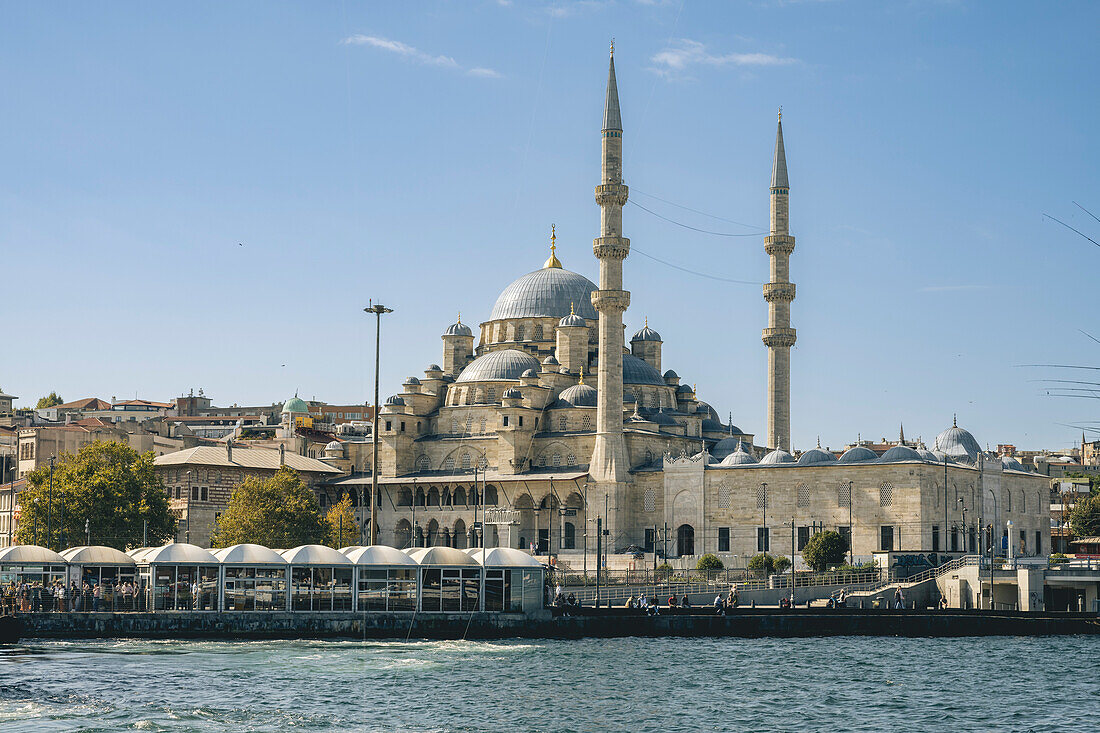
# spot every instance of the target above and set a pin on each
(419, 157)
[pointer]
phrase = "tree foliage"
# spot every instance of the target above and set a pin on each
(53, 399)
(781, 563)
(346, 532)
(823, 549)
(762, 563)
(110, 486)
(276, 511)
(1084, 518)
(709, 561)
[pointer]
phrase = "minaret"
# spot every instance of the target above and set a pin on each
(779, 337)
(609, 463)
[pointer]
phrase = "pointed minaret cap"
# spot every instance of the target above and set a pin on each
(611, 118)
(779, 161)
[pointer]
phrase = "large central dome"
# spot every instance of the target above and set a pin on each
(546, 293)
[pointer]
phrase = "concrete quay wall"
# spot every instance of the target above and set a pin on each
(604, 623)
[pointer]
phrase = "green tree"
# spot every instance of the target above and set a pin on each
(109, 486)
(343, 529)
(1084, 518)
(277, 511)
(780, 564)
(762, 563)
(823, 549)
(709, 562)
(51, 400)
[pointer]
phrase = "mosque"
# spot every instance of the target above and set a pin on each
(526, 437)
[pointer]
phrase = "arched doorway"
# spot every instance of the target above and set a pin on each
(685, 540)
(459, 535)
(403, 534)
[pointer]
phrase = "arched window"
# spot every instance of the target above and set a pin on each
(490, 396)
(446, 497)
(490, 495)
(571, 460)
(403, 534)
(454, 426)
(460, 496)
(423, 463)
(586, 422)
(482, 431)
(449, 464)
(563, 423)
(844, 494)
(482, 462)
(1008, 501)
(542, 461)
(466, 460)
(421, 498)
(569, 537)
(537, 335)
(405, 498)
(556, 459)
(475, 496)
(723, 497)
(685, 540)
(886, 494)
(469, 423)
(433, 497)
(648, 456)
(458, 539)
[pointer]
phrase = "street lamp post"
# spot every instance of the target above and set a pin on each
(49, 508)
(87, 532)
(764, 517)
(992, 553)
(377, 310)
(851, 528)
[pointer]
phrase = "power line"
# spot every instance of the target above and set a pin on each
(1067, 226)
(1082, 208)
(1059, 366)
(694, 272)
(695, 211)
(697, 229)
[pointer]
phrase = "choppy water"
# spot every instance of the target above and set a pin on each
(832, 684)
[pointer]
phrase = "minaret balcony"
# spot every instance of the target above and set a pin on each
(779, 337)
(779, 292)
(611, 248)
(779, 244)
(609, 194)
(610, 301)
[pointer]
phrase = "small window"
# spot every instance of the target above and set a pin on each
(571, 460)
(723, 497)
(723, 539)
(449, 464)
(803, 537)
(803, 496)
(521, 420)
(586, 422)
(402, 426)
(491, 394)
(454, 426)
(483, 426)
(203, 495)
(563, 424)
(844, 495)
(557, 459)
(886, 538)
(649, 500)
(763, 540)
(537, 335)
(466, 460)
(886, 494)
(482, 462)
(389, 425)
(506, 421)
(761, 497)
(520, 332)
(935, 538)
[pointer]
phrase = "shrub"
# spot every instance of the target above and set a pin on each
(1058, 558)
(762, 563)
(781, 563)
(709, 562)
(823, 549)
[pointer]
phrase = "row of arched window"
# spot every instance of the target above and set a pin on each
(447, 497)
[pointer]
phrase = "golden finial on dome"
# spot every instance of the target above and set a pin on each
(647, 321)
(460, 318)
(582, 376)
(553, 260)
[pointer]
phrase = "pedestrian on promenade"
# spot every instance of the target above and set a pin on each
(97, 596)
(718, 604)
(899, 599)
(685, 602)
(671, 602)
(62, 597)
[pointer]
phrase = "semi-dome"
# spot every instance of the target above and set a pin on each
(940, 456)
(412, 381)
(816, 457)
(550, 360)
(1008, 463)
(645, 334)
(927, 454)
(533, 373)
(394, 400)
(498, 366)
(662, 418)
(669, 374)
(777, 456)
(295, 405)
(458, 329)
(858, 454)
(900, 453)
(959, 444)
(334, 446)
(579, 395)
(551, 292)
(433, 368)
(725, 446)
(711, 425)
(639, 371)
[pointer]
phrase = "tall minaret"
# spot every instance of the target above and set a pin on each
(779, 337)
(609, 463)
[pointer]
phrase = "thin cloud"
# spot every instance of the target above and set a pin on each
(684, 54)
(950, 288)
(417, 56)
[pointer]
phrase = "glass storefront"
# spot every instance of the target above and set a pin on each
(255, 588)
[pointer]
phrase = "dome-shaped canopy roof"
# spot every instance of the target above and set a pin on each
(178, 553)
(97, 555)
(725, 446)
(639, 371)
(30, 555)
(512, 394)
(900, 453)
(645, 334)
(498, 366)
(447, 556)
(249, 554)
(314, 555)
(858, 454)
(739, 457)
(379, 555)
(530, 373)
(458, 329)
(777, 456)
(547, 293)
(550, 360)
(959, 444)
(504, 557)
(334, 446)
(295, 405)
(579, 395)
(1008, 463)
(395, 400)
(816, 457)
(927, 455)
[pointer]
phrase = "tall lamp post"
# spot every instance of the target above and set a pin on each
(992, 552)
(851, 528)
(377, 310)
(49, 508)
(764, 518)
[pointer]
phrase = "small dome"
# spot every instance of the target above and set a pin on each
(645, 334)
(294, 406)
(662, 418)
(739, 457)
(940, 456)
(712, 426)
(497, 366)
(858, 454)
(579, 395)
(458, 329)
(684, 389)
(777, 456)
(900, 453)
(335, 447)
(572, 321)
(639, 371)
(563, 370)
(959, 444)
(513, 394)
(530, 373)
(433, 368)
(550, 360)
(671, 375)
(725, 446)
(394, 400)
(927, 455)
(1008, 463)
(816, 457)
(413, 381)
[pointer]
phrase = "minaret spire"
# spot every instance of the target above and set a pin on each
(609, 466)
(779, 337)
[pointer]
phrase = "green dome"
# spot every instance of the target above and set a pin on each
(294, 404)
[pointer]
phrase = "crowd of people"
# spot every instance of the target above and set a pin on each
(57, 596)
